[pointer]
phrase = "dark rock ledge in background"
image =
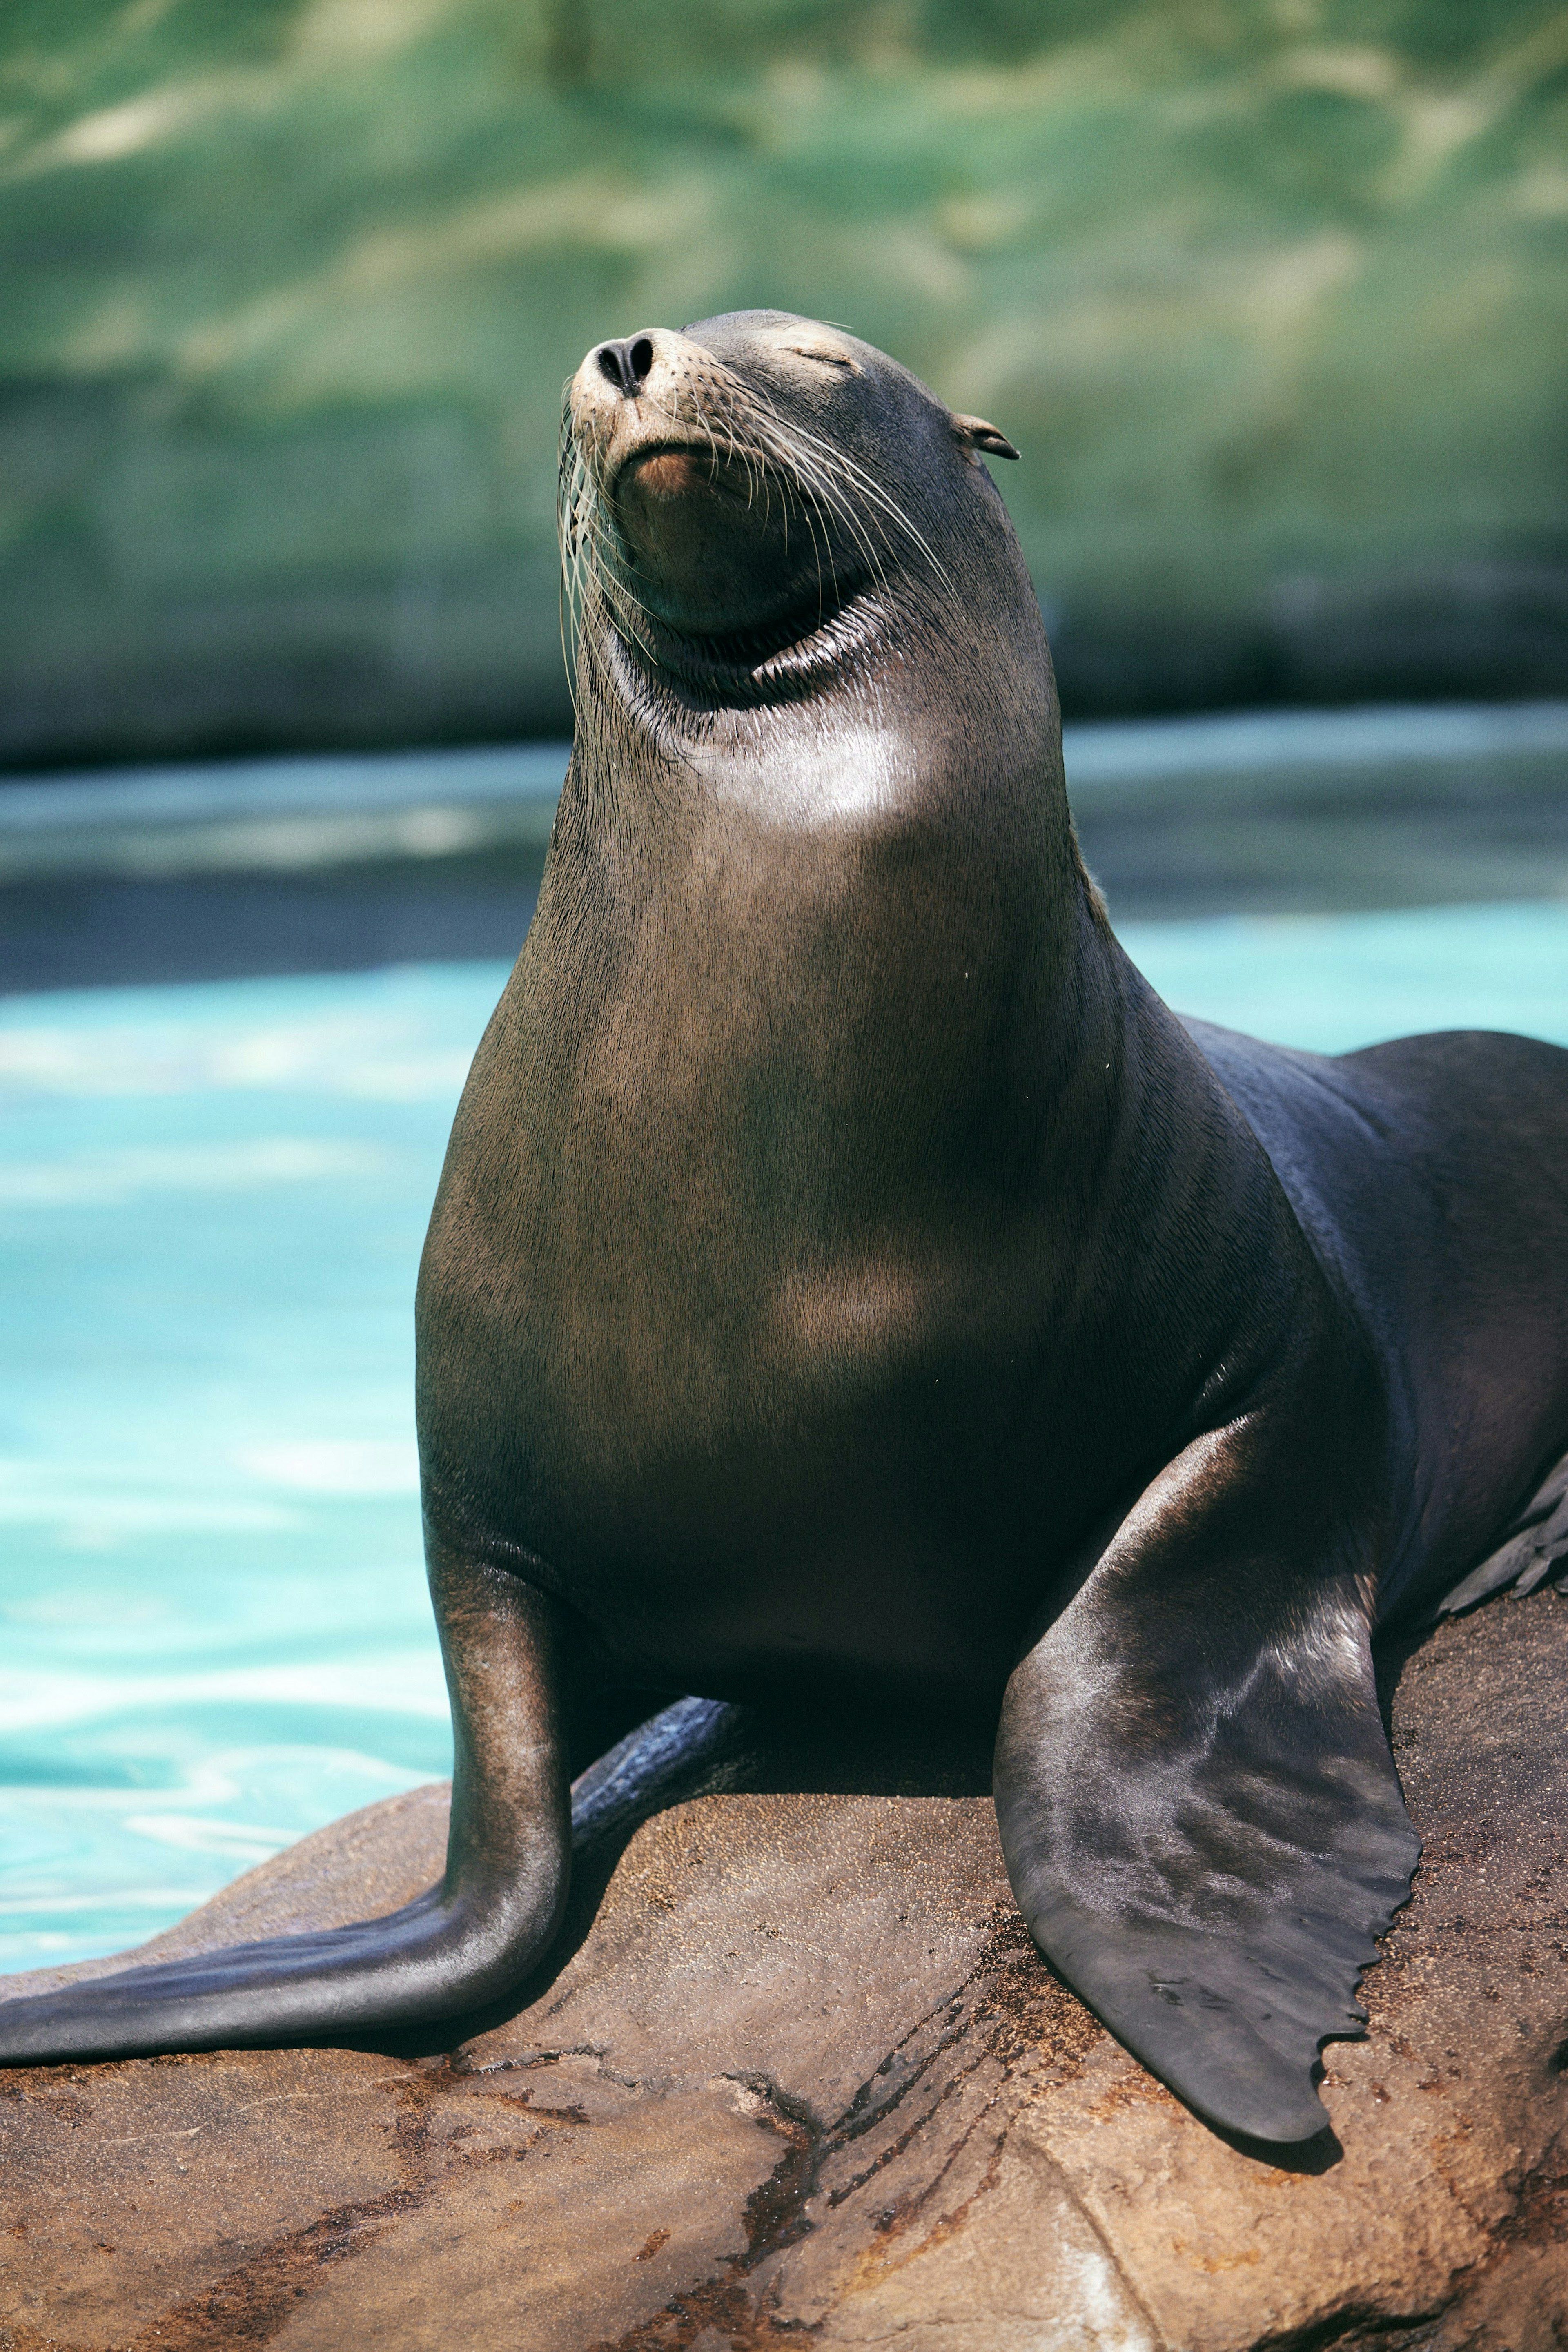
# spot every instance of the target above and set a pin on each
(803, 2080)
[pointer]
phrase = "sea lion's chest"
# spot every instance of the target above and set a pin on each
(694, 1272)
(741, 1454)
(724, 1315)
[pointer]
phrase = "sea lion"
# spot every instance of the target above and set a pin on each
(847, 1279)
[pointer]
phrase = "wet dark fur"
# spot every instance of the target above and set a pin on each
(849, 1281)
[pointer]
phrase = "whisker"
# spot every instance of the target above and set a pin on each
(835, 459)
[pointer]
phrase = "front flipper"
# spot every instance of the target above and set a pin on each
(1197, 1801)
(463, 1942)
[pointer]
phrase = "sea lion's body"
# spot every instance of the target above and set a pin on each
(785, 1448)
(850, 1284)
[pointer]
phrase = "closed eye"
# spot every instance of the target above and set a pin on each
(825, 358)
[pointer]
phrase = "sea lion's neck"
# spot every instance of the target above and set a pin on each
(872, 900)
(947, 728)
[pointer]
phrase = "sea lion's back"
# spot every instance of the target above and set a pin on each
(1430, 1174)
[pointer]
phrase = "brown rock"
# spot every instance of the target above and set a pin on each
(802, 2079)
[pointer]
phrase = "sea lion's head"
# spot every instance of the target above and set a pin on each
(749, 500)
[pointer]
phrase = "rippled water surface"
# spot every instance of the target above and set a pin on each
(212, 1200)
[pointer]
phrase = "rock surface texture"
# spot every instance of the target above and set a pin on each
(802, 2080)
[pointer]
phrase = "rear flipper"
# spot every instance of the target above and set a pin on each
(1197, 1801)
(1536, 1543)
(683, 1751)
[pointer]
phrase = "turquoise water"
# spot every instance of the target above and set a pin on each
(210, 1205)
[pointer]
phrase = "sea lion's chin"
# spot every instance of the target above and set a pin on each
(709, 546)
(713, 583)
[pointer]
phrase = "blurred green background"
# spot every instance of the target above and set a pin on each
(1271, 294)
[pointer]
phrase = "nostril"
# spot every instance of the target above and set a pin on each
(625, 364)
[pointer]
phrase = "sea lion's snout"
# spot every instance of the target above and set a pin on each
(695, 477)
(631, 393)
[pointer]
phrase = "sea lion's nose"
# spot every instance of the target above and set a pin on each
(626, 364)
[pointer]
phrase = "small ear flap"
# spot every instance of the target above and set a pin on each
(976, 434)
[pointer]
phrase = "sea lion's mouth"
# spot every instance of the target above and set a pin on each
(666, 472)
(668, 468)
